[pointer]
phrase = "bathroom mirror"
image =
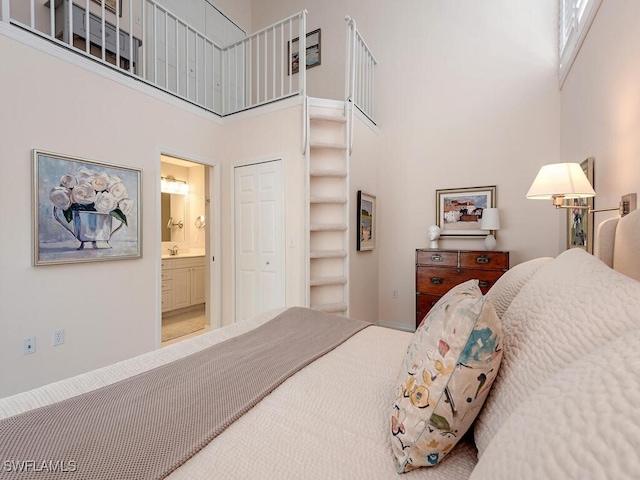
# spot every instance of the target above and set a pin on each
(173, 217)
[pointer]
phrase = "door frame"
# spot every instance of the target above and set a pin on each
(232, 180)
(213, 260)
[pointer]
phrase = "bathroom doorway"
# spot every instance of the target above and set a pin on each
(189, 290)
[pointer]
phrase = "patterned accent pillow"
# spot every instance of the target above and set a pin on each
(446, 375)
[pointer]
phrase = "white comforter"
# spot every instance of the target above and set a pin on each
(329, 421)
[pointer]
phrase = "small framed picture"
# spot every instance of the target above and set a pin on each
(366, 221)
(579, 223)
(459, 210)
(84, 211)
(314, 53)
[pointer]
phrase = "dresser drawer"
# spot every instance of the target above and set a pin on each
(439, 281)
(488, 260)
(437, 258)
(425, 301)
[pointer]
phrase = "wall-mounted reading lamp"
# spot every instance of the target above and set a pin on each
(170, 184)
(560, 181)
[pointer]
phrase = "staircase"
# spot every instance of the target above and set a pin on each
(328, 214)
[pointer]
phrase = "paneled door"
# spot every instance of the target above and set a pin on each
(259, 238)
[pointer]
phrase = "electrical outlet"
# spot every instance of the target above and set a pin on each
(58, 337)
(394, 293)
(29, 345)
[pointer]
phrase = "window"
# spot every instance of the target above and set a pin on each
(575, 19)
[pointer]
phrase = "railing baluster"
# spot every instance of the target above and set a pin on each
(104, 33)
(282, 62)
(130, 35)
(236, 75)
(177, 57)
(258, 69)
(166, 50)
(204, 69)
(250, 77)
(117, 34)
(155, 44)
(244, 69)
(197, 62)
(266, 68)
(302, 84)
(32, 14)
(52, 17)
(290, 59)
(274, 64)
(144, 38)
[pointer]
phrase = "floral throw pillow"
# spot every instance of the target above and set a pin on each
(445, 377)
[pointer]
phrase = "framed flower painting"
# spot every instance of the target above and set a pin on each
(84, 211)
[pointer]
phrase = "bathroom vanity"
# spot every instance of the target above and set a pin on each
(183, 281)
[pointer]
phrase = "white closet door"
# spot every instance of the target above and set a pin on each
(259, 238)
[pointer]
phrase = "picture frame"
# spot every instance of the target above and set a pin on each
(109, 5)
(366, 222)
(459, 210)
(84, 211)
(314, 52)
(580, 225)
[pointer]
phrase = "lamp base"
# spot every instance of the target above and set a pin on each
(490, 242)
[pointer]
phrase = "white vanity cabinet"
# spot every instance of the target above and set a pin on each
(182, 282)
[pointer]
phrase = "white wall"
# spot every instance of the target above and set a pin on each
(467, 95)
(601, 104)
(109, 310)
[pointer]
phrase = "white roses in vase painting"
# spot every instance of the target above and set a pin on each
(92, 192)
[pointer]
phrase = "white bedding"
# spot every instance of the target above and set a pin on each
(329, 421)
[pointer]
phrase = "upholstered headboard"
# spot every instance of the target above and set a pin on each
(618, 244)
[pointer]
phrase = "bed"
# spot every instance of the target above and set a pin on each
(330, 420)
(568, 323)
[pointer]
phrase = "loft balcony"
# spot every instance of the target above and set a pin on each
(208, 61)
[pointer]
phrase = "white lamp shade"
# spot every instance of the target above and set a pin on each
(557, 179)
(490, 219)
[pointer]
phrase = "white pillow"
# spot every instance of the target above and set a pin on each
(582, 423)
(572, 306)
(509, 285)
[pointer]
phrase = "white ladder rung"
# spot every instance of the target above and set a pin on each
(321, 281)
(328, 254)
(335, 146)
(328, 173)
(330, 307)
(328, 118)
(328, 227)
(328, 200)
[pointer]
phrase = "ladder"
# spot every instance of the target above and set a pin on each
(328, 206)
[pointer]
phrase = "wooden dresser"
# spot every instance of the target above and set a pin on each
(437, 271)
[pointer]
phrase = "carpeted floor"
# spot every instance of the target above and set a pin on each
(182, 324)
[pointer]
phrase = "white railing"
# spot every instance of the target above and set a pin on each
(359, 79)
(258, 69)
(165, 51)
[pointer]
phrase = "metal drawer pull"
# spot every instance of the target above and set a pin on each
(436, 258)
(482, 259)
(436, 280)
(483, 283)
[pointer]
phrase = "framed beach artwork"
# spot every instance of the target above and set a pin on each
(366, 221)
(84, 211)
(314, 53)
(579, 222)
(459, 210)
